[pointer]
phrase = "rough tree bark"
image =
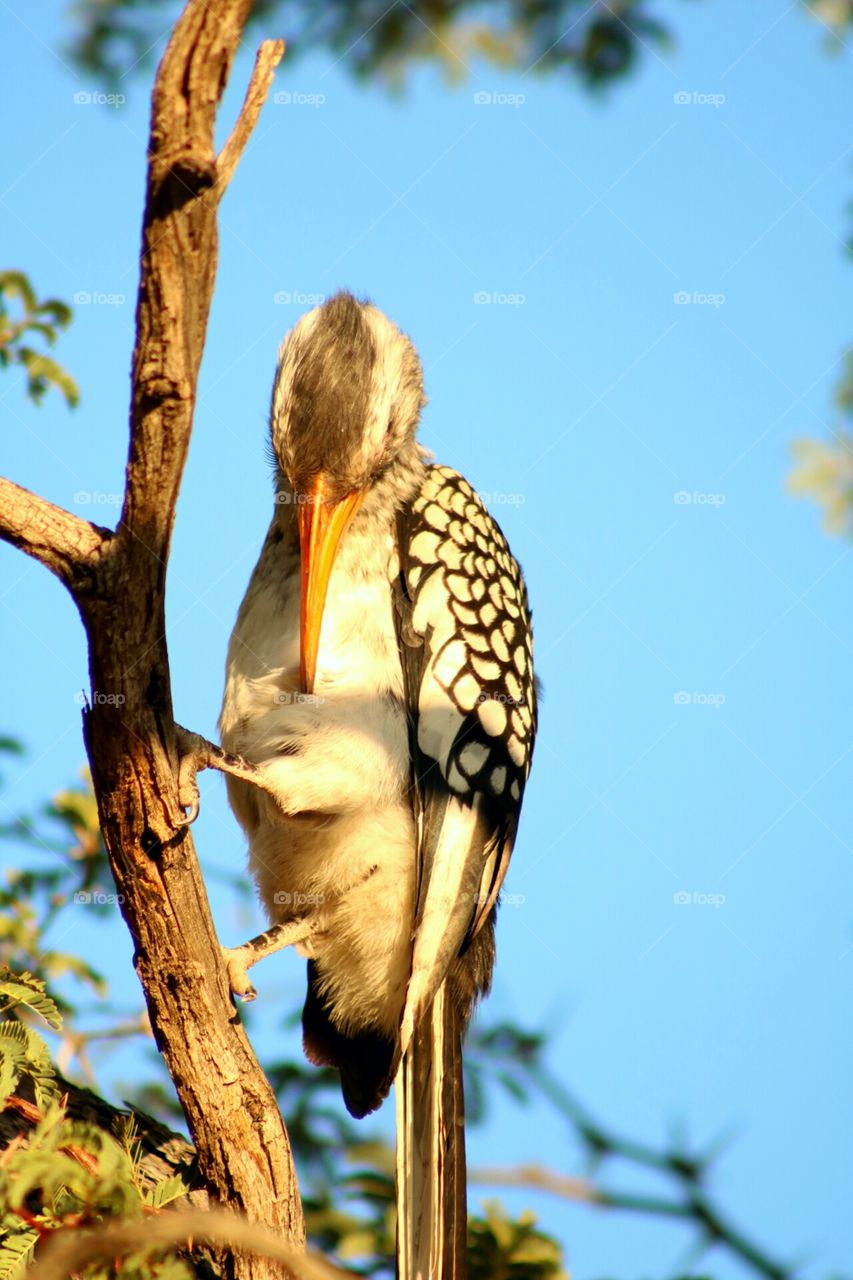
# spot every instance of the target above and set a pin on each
(117, 580)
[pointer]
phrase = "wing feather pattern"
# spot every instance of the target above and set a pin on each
(463, 626)
(466, 648)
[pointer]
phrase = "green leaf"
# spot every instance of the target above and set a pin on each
(16, 285)
(33, 319)
(13, 1064)
(43, 372)
(60, 311)
(24, 989)
(165, 1192)
(16, 1252)
(823, 471)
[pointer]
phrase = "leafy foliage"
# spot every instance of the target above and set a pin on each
(63, 1173)
(835, 16)
(23, 1053)
(598, 43)
(512, 1250)
(67, 1174)
(23, 318)
(823, 469)
(69, 866)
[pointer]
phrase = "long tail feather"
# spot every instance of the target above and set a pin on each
(432, 1221)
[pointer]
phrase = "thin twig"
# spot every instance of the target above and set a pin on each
(539, 1178)
(66, 1252)
(73, 1044)
(269, 56)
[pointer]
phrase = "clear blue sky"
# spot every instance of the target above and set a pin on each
(583, 409)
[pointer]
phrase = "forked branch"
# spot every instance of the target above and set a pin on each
(243, 1151)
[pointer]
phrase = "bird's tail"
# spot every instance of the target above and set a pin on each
(432, 1221)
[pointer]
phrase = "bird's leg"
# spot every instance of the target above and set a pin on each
(239, 960)
(196, 753)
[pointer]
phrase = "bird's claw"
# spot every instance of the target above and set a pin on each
(186, 819)
(188, 793)
(191, 758)
(196, 753)
(238, 977)
(238, 960)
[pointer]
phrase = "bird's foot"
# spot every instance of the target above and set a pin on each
(239, 960)
(194, 754)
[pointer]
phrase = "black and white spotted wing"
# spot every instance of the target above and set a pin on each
(476, 700)
(467, 651)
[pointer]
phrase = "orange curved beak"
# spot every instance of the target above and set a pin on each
(322, 524)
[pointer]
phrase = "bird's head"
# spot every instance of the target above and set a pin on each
(346, 402)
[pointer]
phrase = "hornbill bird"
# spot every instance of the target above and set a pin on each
(380, 694)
